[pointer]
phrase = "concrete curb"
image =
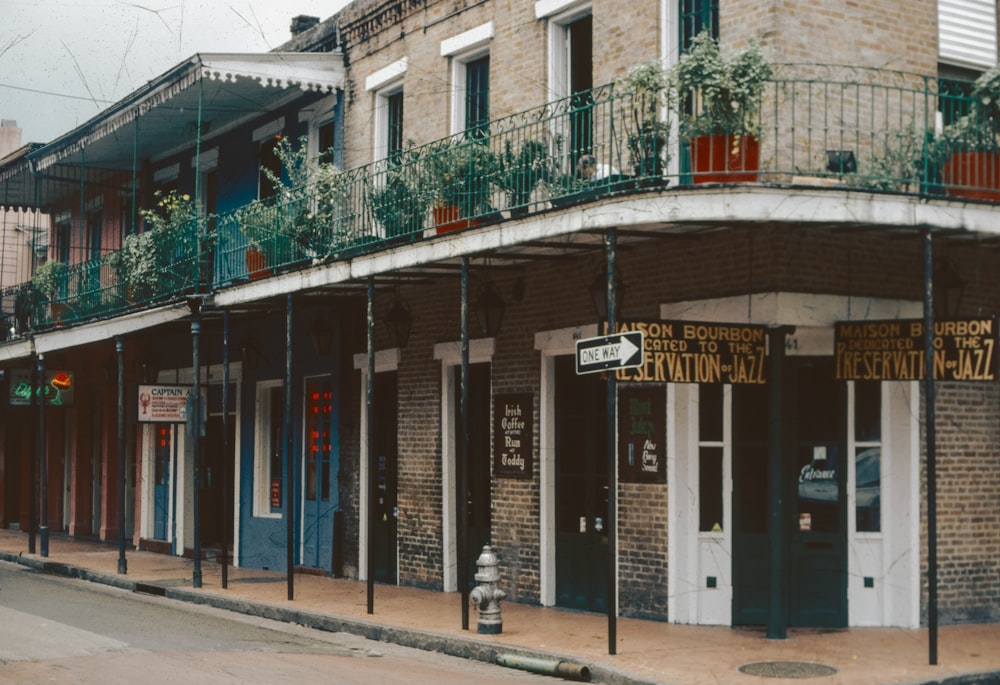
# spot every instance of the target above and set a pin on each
(463, 647)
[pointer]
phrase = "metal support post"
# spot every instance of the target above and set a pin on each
(120, 358)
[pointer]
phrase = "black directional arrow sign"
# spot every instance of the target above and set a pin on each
(619, 351)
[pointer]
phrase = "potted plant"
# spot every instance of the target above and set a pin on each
(972, 166)
(461, 173)
(397, 200)
(50, 283)
(645, 94)
(162, 258)
(310, 216)
(519, 173)
(721, 97)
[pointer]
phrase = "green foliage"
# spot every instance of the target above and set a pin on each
(519, 173)
(399, 203)
(159, 259)
(725, 92)
(50, 280)
(901, 159)
(312, 210)
(461, 173)
(646, 94)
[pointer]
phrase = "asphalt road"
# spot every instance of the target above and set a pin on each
(56, 630)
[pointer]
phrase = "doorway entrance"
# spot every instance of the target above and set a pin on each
(813, 485)
(581, 485)
(384, 443)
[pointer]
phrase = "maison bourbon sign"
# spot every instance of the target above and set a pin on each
(513, 435)
(695, 352)
(894, 350)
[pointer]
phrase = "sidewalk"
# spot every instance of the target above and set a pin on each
(648, 651)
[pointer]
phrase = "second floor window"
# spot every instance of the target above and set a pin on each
(697, 16)
(268, 160)
(477, 96)
(394, 124)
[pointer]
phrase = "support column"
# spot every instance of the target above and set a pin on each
(43, 458)
(369, 434)
(777, 615)
(463, 451)
(194, 407)
(610, 249)
(930, 422)
(120, 353)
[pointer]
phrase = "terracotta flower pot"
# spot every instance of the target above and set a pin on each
(449, 218)
(973, 175)
(256, 263)
(725, 158)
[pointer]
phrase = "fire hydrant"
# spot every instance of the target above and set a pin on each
(487, 595)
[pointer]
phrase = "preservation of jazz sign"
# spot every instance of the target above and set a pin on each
(695, 352)
(894, 350)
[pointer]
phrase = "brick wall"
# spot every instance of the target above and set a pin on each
(968, 511)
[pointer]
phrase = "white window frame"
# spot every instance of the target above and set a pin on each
(262, 450)
(462, 49)
(383, 83)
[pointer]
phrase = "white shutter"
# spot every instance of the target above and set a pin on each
(967, 32)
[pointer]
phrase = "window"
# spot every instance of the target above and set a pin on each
(868, 456)
(394, 125)
(94, 219)
(268, 159)
(269, 485)
(319, 430)
(477, 97)
(697, 16)
(470, 79)
(325, 139)
(386, 86)
(967, 33)
(64, 228)
(710, 454)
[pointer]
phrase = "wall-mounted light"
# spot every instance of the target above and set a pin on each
(321, 334)
(599, 294)
(949, 287)
(399, 320)
(149, 369)
(489, 308)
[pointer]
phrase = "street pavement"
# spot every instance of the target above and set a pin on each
(645, 651)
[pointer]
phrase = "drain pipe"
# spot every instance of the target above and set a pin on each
(563, 669)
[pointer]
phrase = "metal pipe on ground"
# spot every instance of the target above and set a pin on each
(563, 669)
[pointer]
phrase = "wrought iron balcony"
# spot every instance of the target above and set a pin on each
(842, 128)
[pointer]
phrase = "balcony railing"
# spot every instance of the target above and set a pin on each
(841, 127)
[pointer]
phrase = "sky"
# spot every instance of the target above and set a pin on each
(63, 61)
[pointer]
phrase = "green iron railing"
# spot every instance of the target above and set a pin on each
(837, 126)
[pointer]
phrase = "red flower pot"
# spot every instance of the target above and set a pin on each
(725, 158)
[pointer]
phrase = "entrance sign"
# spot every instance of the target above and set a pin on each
(609, 352)
(696, 352)
(58, 388)
(642, 434)
(165, 403)
(513, 443)
(964, 350)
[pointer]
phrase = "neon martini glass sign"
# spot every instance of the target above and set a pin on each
(57, 391)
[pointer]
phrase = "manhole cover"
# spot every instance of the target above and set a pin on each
(787, 669)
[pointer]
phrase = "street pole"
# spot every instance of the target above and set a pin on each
(369, 433)
(120, 355)
(227, 522)
(610, 244)
(43, 525)
(195, 424)
(463, 451)
(931, 421)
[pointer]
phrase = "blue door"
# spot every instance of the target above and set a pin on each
(320, 463)
(162, 452)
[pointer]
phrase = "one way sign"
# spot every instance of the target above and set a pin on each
(619, 351)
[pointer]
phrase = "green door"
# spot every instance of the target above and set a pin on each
(384, 443)
(814, 529)
(581, 489)
(478, 501)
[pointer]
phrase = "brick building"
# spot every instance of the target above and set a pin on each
(397, 387)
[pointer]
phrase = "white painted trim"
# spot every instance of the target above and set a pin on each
(107, 330)
(208, 160)
(385, 361)
(261, 505)
(268, 130)
(551, 344)
(449, 354)
(167, 173)
(386, 75)
(797, 309)
(472, 39)
(546, 9)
